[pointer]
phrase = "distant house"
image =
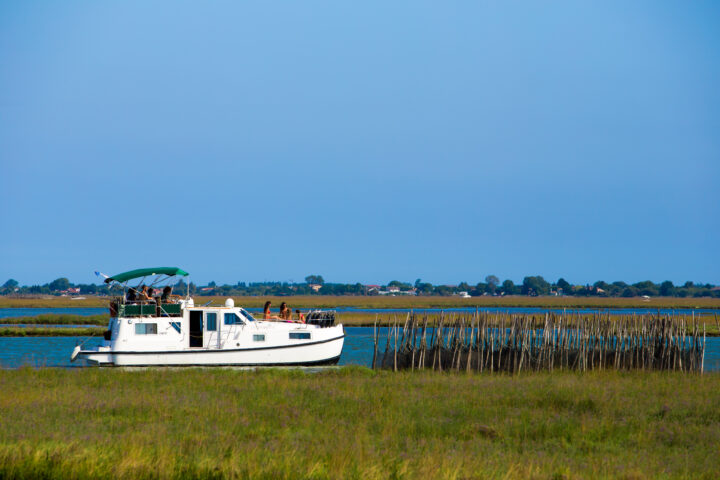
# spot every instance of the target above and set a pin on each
(315, 286)
(370, 289)
(396, 291)
(69, 291)
(207, 289)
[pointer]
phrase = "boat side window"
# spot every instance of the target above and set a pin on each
(259, 337)
(300, 335)
(145, 328)
(232, 319)
(211, 321)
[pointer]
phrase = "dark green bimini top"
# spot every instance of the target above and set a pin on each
(144, 272)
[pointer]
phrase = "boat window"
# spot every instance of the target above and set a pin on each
(145, 328)
(259, 337)
(247, 315)
(300, 335)
(176, 326)
(232, 319)
(211, 321)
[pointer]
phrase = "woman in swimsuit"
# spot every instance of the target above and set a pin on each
(285, 312)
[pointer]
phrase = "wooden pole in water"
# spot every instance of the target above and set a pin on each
(396, 340)
(702, 358)
(375, 339)
(472, 338)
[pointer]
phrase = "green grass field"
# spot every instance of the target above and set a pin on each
(324, 301)
(355, 423)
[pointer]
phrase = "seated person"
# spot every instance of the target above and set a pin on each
(167, 295)
(145, 293)
(285, 312)
(266, 312)
(301, 316)
(131, 295)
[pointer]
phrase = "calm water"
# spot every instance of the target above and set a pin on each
(31, 312)
(16, 352)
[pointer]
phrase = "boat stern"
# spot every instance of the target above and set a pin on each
(98, 356)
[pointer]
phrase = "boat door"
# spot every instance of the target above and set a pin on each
(196, 328)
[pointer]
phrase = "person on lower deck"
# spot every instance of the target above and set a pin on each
(266, 312)
(285, 312)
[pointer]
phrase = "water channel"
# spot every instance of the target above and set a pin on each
(16, 352)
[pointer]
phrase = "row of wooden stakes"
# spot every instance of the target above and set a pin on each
(491, 342)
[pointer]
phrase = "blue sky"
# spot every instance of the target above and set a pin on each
(364, 141)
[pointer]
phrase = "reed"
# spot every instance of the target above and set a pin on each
(486, 342)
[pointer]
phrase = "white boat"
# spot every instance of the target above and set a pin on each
(183, 334)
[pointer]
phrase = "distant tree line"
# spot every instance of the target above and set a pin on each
(316, 285)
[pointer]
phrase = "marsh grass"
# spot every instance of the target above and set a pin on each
(50, 332)
(349, 319)
(329, 301)
(355, 423)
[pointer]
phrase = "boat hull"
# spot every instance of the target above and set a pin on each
(324, 352)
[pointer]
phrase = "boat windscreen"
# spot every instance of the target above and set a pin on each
(247, 315)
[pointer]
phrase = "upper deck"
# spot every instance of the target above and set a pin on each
(120, 309)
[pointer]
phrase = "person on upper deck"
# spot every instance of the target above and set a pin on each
(167, 295)
(131, 295)
(145, 293)
(301, 316)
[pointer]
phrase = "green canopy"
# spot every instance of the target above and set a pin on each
(144, 272)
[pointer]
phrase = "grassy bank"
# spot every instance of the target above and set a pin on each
(58, 319)
(354, 423)
(50, 332)
(321, 301)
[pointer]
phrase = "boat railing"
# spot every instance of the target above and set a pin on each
(145, 309)
(322, 318)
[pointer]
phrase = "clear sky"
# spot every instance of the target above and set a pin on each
(363, 141)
